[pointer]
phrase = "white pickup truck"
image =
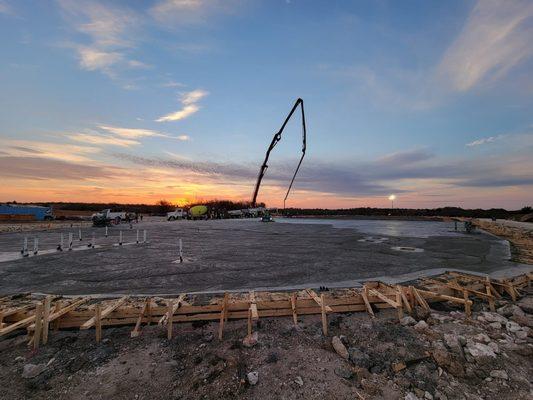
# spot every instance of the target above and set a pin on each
(109, 215)
(178, 213)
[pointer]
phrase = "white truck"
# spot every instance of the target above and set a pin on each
(178, 213)
(108, 215)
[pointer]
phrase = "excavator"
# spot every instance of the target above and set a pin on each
(277, 137)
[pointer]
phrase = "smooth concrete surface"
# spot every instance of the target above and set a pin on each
(243, 254)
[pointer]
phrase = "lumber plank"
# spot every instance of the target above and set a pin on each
(367, 303)
(46, 315)
(64, 310)
(376, 293)
(175, 305)
(318, 300)
(170, 318)
(253, 306)
(137, 329)
(294, 310)
(404, 299)
(324, 315)
(223, 316)
(105, 313)
(98, 322)
(19, 324)
(38, 326)
(419, 298)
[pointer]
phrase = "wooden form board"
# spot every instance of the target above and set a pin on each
(130, 311)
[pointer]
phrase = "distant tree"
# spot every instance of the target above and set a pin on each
(526, 210)
(164, 206)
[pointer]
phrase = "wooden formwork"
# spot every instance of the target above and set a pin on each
(54, 312)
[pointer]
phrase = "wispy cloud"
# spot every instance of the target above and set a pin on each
(190, 12)
(109, 30)
(60, 151)
(485, 140)
(134, 133)
(97, 139)
(189, 101)
(496, 37)
(5, 8)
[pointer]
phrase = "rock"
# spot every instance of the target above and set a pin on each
(509, 310)
(208, 337)
(398, 366)
(421, 326)
(19, 359)
(494, 347)
(479, 350)
(32, 370)
(454, 343)
(493, 317)
(253, 377)
(419, 392)
(250, 340)
(343, 372)
(512, 327)
(444, 358)
(482, 338)
(339, 347)
(522, 334)
(407, 321)
(411, 396)
(428, 396)
(524, 320)
(495, 325)
(499, 373)
(358, 358)
(526, 304)
(299, 381)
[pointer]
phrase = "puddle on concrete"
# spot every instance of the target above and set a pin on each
(407, 249)
(418, 229)
(371, 239)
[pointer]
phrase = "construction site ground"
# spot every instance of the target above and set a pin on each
(449, 358)
(223, 255)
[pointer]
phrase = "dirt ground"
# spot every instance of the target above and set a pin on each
(487, 357)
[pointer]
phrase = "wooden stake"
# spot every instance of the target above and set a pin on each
(468, 311)
(249, 322)
(399, 308)
(419, 298)
(293, 306)
(223, 316)
(137, 330)
(492, 305)
(46, 315)
(57, 308)
(404, 299)
(170, 319)
(324, 316)
(38, 325)
(98, 322)
(364, 295)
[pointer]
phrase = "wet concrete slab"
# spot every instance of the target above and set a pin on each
(243, 254)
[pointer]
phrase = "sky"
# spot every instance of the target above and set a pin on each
(139, 101)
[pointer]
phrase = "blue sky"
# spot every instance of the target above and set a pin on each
(178, 99)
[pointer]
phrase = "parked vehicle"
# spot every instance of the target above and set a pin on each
(178, 213)
(198, 212)
(25, 212)
(106, 217)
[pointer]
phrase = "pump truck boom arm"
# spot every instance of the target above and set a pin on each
(275, 140)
